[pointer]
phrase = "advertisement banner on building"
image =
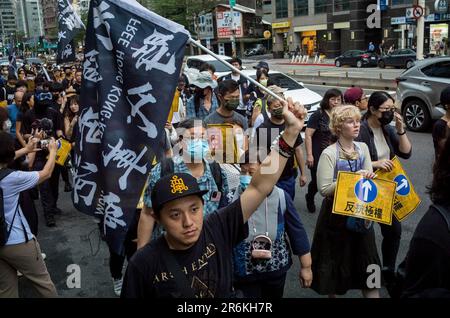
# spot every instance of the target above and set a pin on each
(438, 33)
(225, 22)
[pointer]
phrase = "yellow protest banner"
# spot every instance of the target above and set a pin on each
(369, 199)
(406, 199)
(64, 148)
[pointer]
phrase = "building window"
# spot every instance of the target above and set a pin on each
(320, 6)
(300, 7)
(281, 9)
(341, 5)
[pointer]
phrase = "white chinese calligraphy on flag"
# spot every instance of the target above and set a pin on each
(70, 25)
(132, 62)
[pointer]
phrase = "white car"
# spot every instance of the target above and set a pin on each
(193, 64)
(311, 100)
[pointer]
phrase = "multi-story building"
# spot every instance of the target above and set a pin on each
(7, 20)
(29, 17)
(50, 12)
(264, 9)
(214, 28)
(334, 26)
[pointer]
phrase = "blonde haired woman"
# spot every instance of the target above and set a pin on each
(340, 255)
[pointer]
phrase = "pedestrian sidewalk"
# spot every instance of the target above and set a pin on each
(309, 62)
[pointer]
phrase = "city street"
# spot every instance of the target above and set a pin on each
(76, 240)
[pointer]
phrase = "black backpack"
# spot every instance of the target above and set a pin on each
(4, 232)
(167, 167)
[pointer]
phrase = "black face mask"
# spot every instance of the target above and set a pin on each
(386, 117)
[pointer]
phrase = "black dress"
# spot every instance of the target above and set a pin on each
(340, 257)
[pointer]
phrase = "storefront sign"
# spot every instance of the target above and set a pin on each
(281, 25)
(441, 6)
(398, 20)
(225, 23)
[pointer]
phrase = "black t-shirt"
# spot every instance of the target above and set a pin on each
(77, 88)
(271, 130)
(10, 91)
(31, 116)
(439, 133)
(208, 263)
(428, 260)
(321, 139)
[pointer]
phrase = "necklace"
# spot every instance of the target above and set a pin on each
(346, 151)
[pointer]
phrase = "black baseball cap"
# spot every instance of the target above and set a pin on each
(174, 186)
(262, 64)
(445, 97)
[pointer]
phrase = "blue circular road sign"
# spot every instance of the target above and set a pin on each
(366, 190)
(403, 187)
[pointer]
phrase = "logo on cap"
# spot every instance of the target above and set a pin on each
(177, 185)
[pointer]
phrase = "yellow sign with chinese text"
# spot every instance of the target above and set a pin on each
(406, 199)
(64, 148)
(281, 25)
(370, 199)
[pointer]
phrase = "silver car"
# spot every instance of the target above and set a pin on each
(419, 89)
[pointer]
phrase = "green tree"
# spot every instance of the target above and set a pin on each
(184, 12)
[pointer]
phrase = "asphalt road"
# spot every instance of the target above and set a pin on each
(284, 65)
(75, 240)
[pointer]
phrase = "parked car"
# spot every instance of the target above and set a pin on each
(311, 100)
(356, 58)
(193, 64)
(259, 49)
(419, 89)
(5, 62)
(34, 60)
(404, 58)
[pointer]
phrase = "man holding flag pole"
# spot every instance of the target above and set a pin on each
(132, 61)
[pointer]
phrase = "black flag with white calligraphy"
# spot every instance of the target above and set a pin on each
(70, 25)
(133, 58)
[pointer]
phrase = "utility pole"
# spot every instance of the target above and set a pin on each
(421, 32)
(233, 35)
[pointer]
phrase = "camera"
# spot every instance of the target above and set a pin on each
(45, 125)
(43, 144)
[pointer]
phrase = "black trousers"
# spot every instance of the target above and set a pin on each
(391, 243)
(48, 189)
(116, 261)
(312, 186)
(65, 174)
(267, 288)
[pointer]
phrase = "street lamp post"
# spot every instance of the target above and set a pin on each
(233, 35)
(420, 32)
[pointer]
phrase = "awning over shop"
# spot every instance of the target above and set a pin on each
(316, 27)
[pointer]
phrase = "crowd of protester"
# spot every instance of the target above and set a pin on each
(230, 233)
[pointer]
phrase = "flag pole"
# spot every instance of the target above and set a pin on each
(265, 89)
(46, 74)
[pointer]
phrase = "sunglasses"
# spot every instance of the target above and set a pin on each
(44, 96)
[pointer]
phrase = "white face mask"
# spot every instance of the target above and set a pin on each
(7, 126)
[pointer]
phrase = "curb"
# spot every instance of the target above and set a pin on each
(371, 83)
(306, 64)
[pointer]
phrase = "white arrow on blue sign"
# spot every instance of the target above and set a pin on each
(366, 190)
(403, 187)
